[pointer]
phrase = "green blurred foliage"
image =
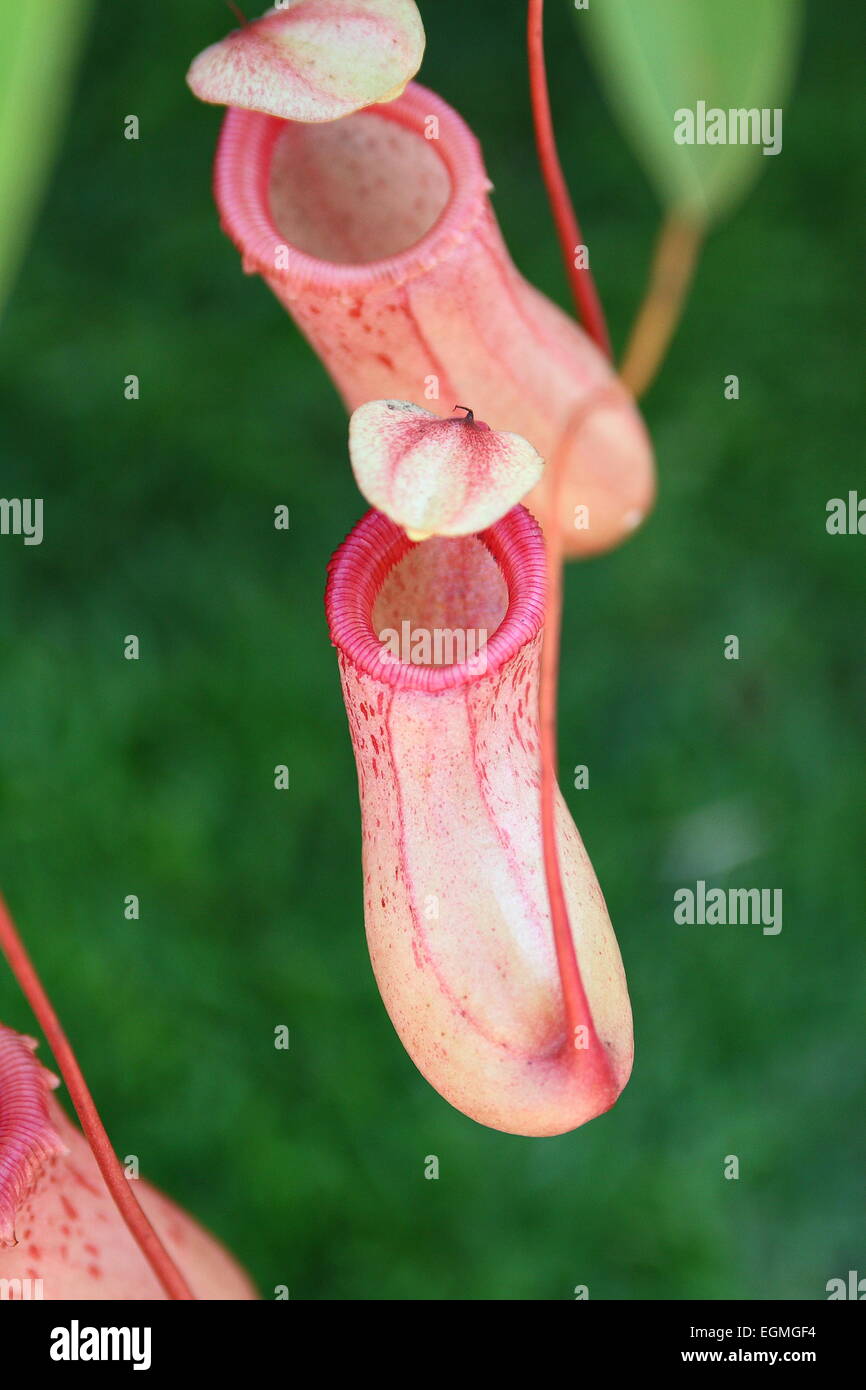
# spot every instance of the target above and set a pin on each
(39, 43)
(657, 57)
(155, 778)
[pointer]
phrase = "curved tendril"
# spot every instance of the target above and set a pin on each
(577, 1008)
(115, 1179)
(583, 288)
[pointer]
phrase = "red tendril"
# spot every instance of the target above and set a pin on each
(116, 1181)
(580, 278)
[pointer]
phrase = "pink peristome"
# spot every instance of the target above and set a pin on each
(455, 898)
(382, 245)
(61, 1235)
(314, 60)
(438, 477)
(27, 1137)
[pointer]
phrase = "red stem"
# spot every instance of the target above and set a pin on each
(116, 1181)
(583, 289)
(578, 1013)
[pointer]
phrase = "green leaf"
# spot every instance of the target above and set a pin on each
(659, 57)
(39, 41)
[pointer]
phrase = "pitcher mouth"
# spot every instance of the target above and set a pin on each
(243, 169)
(371, 552)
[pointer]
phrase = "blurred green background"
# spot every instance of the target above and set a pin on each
(156, 777)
